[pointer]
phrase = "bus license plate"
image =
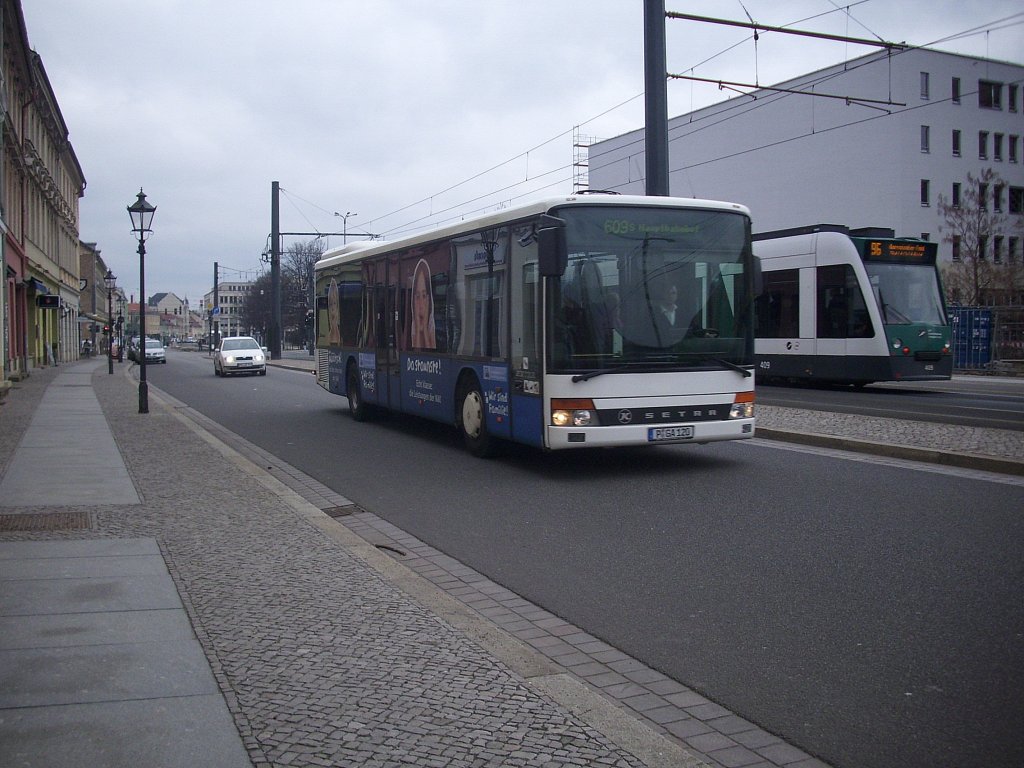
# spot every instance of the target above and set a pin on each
(659, 434)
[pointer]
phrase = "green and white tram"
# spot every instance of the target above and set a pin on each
(843, 306)
(573, 322)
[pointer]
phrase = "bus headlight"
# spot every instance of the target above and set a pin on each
(573, 413)
(743, 406)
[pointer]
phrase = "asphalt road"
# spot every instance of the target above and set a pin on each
(871, 615)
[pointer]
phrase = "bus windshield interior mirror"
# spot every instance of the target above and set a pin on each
(553, 254)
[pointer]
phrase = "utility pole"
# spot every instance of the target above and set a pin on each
(655, 99)
(275, 272)
(215, 312)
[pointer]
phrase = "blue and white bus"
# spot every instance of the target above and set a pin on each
(573, 322)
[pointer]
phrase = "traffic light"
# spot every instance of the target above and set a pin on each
(309, 317)
(106, 329)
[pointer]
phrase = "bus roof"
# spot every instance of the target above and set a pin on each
(352, 251)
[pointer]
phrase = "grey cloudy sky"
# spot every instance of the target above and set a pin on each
(402, 112)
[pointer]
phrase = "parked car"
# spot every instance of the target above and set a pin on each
(155, 351)
(239, 354)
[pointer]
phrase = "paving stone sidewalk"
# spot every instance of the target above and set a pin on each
(321, 660)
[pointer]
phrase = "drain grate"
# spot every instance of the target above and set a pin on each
(47, 521)
(351, 509)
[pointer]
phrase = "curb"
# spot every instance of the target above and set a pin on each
(891, 450)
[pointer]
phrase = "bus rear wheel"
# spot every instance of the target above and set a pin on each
(473, 421)
(356, 406)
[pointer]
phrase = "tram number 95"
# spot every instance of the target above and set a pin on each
(619, 227)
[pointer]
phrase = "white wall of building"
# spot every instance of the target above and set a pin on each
(797, 160)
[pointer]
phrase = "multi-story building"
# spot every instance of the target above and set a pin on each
(880, 140)
(42, 184)
(92, 300)
(173, 313)
(225, 313)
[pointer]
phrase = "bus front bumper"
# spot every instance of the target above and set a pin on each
(559, 438)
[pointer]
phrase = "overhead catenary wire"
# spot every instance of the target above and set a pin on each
(416, 223)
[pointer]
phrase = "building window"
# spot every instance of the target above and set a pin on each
(1011, 250)
(1011, 145)
(956, 194)
(997, 147)
(956, 90)
(956, 143)
(1011, 97)
(990, 94)
(997, 198)
(925, 139)
(982, 246)
(956, 247)
(983, 145)
(925, 193)
(1016, 199)
(983, 197)
(997, 249)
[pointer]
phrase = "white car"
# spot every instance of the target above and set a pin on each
(155, 352)
(239, 354)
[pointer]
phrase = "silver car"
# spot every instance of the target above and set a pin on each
(239, 354)
(155, 351)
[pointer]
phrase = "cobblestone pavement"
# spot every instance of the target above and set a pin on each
(947, 438)
(338, 639)
(322, 660)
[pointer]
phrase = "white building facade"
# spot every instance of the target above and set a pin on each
(798, 160)
(227, 309)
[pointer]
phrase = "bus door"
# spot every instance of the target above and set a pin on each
(388, 371)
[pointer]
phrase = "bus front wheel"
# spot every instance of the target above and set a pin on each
(356, 406)
(473, 421)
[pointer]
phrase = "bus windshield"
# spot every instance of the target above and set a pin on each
(650, 288)
(907, 293)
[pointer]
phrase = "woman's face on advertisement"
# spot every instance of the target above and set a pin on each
(421, 297)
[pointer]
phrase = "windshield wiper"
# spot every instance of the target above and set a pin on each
(726, 364)
(599, 372)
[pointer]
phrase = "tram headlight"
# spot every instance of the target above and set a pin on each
(743, 406)
(573, 413)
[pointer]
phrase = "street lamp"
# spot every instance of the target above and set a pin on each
(121, 301)
(141, 213)
(110, 281)
(344, 224)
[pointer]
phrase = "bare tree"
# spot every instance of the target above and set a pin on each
(971, 225)
(257, 312)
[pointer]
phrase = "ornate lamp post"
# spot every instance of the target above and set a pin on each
(142, 220)
(110, 281)
(121, 301)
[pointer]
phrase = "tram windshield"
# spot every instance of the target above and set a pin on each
(907, 293)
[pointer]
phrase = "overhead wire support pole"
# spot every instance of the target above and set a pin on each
(764, 28)
(655, 100)
(275, 272)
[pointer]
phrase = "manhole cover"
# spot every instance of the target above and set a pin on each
(47, 521)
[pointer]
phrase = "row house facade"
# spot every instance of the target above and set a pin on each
(41, 183)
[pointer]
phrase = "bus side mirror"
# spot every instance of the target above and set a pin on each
(553, 255)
